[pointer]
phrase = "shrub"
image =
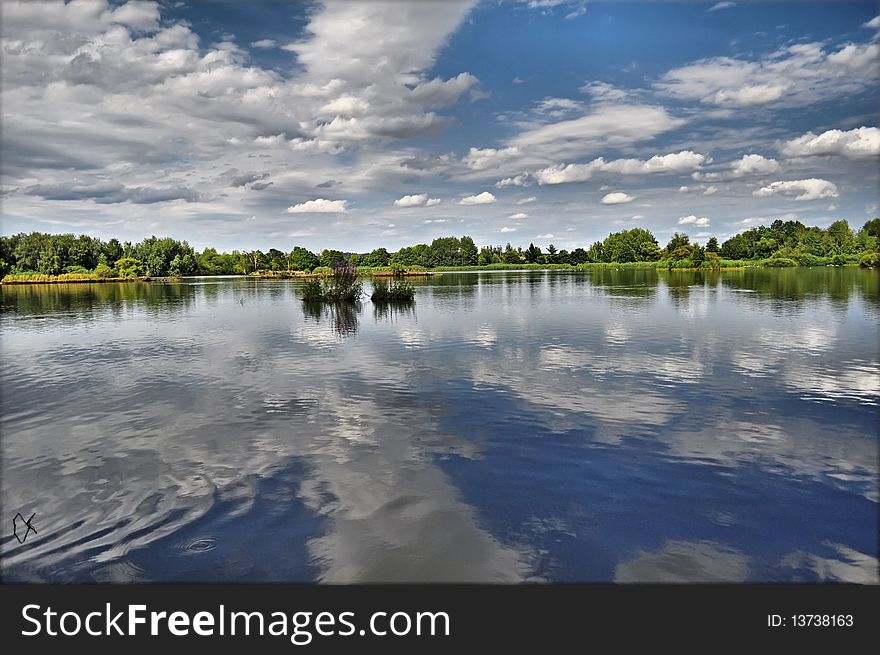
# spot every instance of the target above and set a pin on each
(870, 260)
(839, 260)
(104, 271)
(343, 286)
(393, 292)
(778, 262)
(313, 291)
(322, 270)
(808, 259)
(76, 269)
(129, 267)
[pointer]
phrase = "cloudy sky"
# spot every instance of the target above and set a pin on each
(358, 124)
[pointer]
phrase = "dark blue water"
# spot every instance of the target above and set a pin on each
(609, 426)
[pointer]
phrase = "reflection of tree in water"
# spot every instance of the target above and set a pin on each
(391, 311)
(796, 285)
(343, 316)
(85, 298)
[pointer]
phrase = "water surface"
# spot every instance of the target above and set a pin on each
(530, 426)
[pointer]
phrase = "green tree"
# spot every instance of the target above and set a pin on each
(302, 259)
(379, 257)
(712, 245)
(129, 267)
(330, 257)
(532, 253)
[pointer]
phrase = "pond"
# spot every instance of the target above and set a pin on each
(606, 426)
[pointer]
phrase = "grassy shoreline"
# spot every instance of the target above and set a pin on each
(417, 271)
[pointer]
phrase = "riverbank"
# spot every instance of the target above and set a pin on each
(417, 271)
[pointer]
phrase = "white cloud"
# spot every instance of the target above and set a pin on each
(604, 92)
(546, 236)
(264, 44)
(617, 198)
(803, 73)
(693, 220)
(506, 229)
(433, 202)
(319, 206)
(441, 93)
(480, 199)
(859, 143)
(526, 200)
(685, 160)
(710, 190)
(518, 180)
(564, 173)
(725, 4)
(415, 200)
(518, 216)
(481, 159)
(609, 125)
(809, 189)
(873, 24)
(683, 189)
(753, 165)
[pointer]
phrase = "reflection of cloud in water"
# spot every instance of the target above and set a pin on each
(857, 380)
(801, 446)
(559, 393)
(616, 334)
(752, 365)
(394, 516)
(852, 566)
(668, 368)
(136, 469)
(686, 561)
(485, 336)
(813, 338)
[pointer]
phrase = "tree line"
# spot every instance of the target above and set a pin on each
(54, 254)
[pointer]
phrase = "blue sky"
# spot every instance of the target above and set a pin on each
(357, 124)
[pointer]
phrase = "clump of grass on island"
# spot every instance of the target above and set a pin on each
(387, 292)
(342, 286)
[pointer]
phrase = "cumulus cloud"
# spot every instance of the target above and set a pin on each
(873, 24)
(319, 206)
(685, 160)
(517, 180)
(415, 200)
(803, 73)
(518, 216)
(809, 189)
(507, 228)
(431, 202)
(526, 200)
(480, 199)
(859, 143)
(480, 159)
(264, 44)
(753, 165)
(617, 198)
(693, 220)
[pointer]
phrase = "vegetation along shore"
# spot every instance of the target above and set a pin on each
(47, 258)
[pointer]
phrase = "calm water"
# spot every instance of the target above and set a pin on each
(611, 426)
